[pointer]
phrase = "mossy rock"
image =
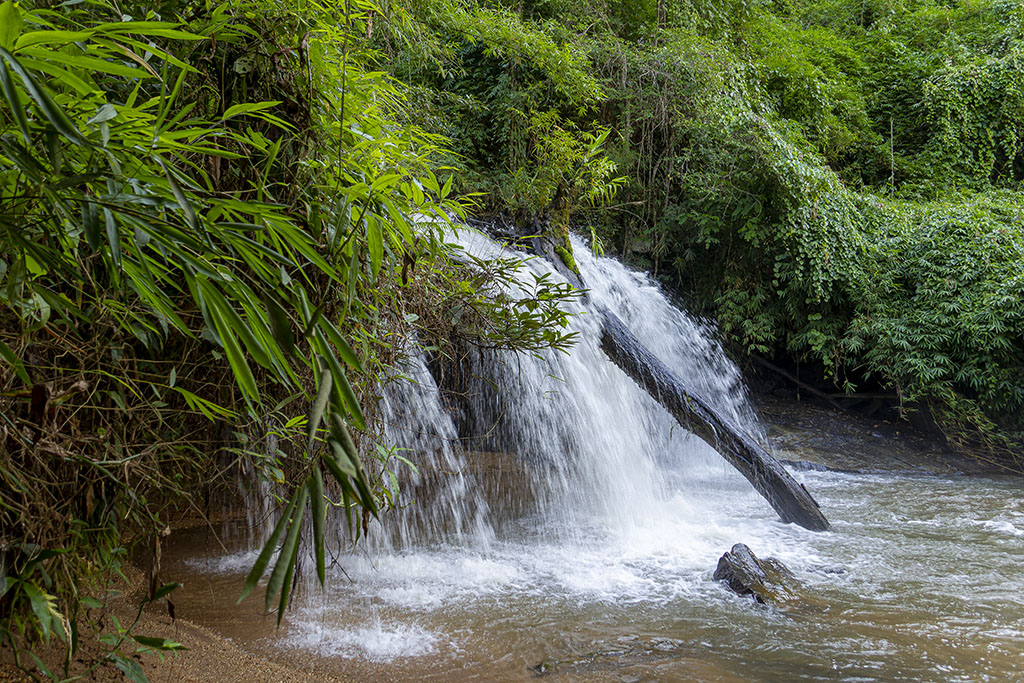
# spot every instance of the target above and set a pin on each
(566, 256)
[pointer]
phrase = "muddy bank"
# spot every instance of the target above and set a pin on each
(208, 655)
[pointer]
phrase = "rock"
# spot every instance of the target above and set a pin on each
(766, 580)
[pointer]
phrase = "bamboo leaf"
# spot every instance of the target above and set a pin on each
(260, 566)
(113, 237)
(344, 438)
(316, 413)
(340, 432)
(14, 100)
(179, 195)
(339, 460)
(50, 38)
(280, 326)
(236, 358)
(286, 585)
(316, 486)
(346, 498)
(54, 114)
(255, 347)
(10, 24)
(342, 387)
(375, 244)
(344, 349)
(247, 108)
(80, 61)
(286, 558)
(15, 362)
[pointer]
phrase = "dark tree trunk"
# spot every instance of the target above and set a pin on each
(789, 498)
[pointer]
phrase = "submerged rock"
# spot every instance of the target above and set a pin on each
(767, 580)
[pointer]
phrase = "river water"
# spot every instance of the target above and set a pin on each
(577, 540)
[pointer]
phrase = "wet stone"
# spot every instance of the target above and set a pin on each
(767, 580)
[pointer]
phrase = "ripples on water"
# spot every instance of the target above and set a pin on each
(604, 573)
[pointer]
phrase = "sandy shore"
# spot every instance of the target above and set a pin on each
(207, 656)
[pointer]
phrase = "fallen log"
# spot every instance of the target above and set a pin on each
(789, 498)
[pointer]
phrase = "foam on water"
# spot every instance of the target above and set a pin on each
(620, 517)
(377, 641)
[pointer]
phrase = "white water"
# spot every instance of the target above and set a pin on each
(596, 452)
(593, 540)
(608, 500)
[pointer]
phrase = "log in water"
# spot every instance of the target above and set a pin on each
(789, 498)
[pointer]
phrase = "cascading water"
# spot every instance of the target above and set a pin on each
(601, 451)
(564, 521)
(566, 470)
(587, 448)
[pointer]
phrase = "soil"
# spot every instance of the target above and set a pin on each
(206, 656)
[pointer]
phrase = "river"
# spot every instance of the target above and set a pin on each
(578, 539)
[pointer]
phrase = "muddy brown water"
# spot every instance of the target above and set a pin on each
(921, 576)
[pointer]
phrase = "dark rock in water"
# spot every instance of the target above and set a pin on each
(766, 580)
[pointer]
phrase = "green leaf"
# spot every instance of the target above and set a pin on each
(159, 643)
(286, 586)
(323, 394)
(344, 350)
(258, 351)
(280, 325)
(51, 38)
(338, 461)
(42, 667)
(15, 362)
(130, 668)
(260, 566)
(343, 388)
(316, 486)
(179, 195)
(80, 61)
(342, 436)
(375, 244)
(114, 237)
(165, 590)
(54, 114)
(248, 108)
(10, 24)
(340, 432)
(236, 357)
(14, 101)
(286, 558)
(210, 409)
(44, 606)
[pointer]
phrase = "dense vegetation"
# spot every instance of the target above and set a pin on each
(215, 236)
(837, 183)
(219, 226)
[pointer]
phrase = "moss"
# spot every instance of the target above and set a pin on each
(567, 259)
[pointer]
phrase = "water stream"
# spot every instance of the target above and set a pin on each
(577, 540)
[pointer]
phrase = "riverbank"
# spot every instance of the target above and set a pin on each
(206, 655)
(808, 436)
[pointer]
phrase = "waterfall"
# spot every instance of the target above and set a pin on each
(560, 522)
(563, 437)
(552, 482)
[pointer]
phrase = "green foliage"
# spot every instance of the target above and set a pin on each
(201, 223)
(940, 309)
(776, 154)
